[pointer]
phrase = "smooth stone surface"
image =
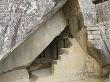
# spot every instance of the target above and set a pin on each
(20, 18)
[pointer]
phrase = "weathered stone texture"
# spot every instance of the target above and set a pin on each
(103, 10)
(15, 76)
(76, 21)
(95, 19)
(35, 44)
(19, 18)
(69, 69)
(42, 72)
(89, 12)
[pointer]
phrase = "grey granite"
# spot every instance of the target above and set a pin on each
(20, 18)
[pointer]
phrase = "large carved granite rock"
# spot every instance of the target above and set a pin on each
(19, 18)
(27, 52)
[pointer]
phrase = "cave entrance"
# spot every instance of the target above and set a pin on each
(45, 59)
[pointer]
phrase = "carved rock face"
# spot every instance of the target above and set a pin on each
(19, 18)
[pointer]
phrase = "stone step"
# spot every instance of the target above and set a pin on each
(44, 79)
(92, 28)
(63, 51)
(49, 79)
(27, 52)
(15, 76)
(97, 32)
(94, 37)
(42, 72)
(66, 61)
(94, 41)
(60, 57)
(54, 61)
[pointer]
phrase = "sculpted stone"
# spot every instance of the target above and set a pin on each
(30, 49)
(19, 18)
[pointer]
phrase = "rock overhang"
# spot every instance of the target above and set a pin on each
(20, 18)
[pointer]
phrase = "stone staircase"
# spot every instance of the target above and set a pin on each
(93, 35)
(98, 40)
(70, 67)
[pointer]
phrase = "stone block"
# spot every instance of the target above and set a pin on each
(15, 76)
(94, 37)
